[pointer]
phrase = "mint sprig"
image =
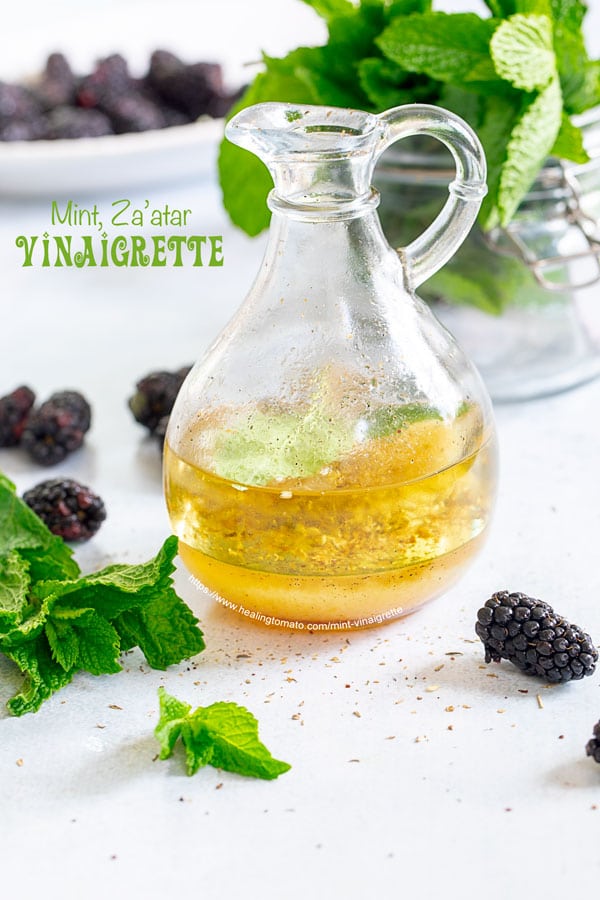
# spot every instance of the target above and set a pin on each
(55, 622)
(526, 64)
(223, 735)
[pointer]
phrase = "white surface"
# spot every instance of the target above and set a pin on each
(493, 807)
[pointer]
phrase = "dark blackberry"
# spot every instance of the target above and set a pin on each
(34, 130)
(57, 84)
(160, 431)
(68, 122)
(17, 104)
(592, 748)
(57, 427)
(69, 509)
(189, 88)
(14, 409)
(134, 112)
(155, 396)
(109, 80)
(529, 634)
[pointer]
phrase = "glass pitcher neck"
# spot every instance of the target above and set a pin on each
(320, 158)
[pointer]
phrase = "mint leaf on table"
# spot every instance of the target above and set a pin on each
(21, 529)
(44, 676)
(223, 735)
(54, 622)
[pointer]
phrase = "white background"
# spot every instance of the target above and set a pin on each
(505, 802)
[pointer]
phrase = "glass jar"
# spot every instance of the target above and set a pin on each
(522, 300)
(330, 461)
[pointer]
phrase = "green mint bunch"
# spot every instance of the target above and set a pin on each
(54, 621)
(517, 77)
(223, 735)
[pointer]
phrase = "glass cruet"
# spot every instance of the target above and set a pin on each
(330, 462)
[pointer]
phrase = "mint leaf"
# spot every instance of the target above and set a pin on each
(498, 117)
(14, 585)
(387, 85)
(569, 142)
(523, 53)
(53, 623)
(22, 530)
(44, 676)
(223, 735)
(328, 9)
(448, 47)
(140, 603)
(163, 627)
(387, 420)
(84, 639)
(530, 143)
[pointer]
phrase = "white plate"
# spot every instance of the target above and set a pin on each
(112, 162)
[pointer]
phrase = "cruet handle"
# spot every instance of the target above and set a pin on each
(432, 249)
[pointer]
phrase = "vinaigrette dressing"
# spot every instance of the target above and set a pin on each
(372, 534)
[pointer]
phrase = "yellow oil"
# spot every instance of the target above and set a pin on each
(367, 538)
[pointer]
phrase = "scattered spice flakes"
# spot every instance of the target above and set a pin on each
(420, 738)
(218, 786)
(289, 679)
(20, 762)
(432, 687)
(540, 702)
(354, 760)
(561, 737)
(100, 726)
(449, 709)
(491, 675)
(114, 706)
(500, 711)
(391, 737)
(439, 668)
(454, 653)
(356, 713)
(296, 716)
(523, 691)
(450, 727)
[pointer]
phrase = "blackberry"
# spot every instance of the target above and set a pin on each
(592, 748)
(14, 409)
(160, 432)
(188, 88)
(69, 509)
(155, 396)
(57, 85)
(18, 130)
(57, 427)
(68, 122)
(134, 112)
(529, 634)
(109, 80)
(17, 104)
